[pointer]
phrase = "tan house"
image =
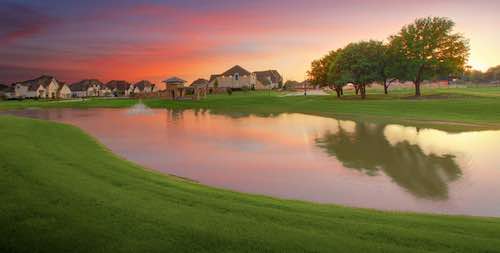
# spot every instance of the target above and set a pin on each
(41, 87)
(239, 78)
(119, 88)
(87, 88)
(143, 86)
(270, 79)
(64, 91)
(202, 83)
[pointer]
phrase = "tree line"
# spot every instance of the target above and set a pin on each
(426, 49)
(492, 75)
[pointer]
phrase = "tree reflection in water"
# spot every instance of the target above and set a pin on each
(365, 148)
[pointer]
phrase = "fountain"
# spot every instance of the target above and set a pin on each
(140, 109)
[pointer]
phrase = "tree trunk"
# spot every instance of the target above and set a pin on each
(356, 88)
(363, 91)
(341, 91)
(338, 90)
(386, 87)
(417, 82)
(417, 89)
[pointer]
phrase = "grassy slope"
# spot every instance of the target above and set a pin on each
(60, 191)
(472, 105)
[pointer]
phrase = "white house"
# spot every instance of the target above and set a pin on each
(41, 87)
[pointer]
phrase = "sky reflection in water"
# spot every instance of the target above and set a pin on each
(307, 157)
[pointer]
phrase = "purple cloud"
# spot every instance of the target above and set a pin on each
(18, 21)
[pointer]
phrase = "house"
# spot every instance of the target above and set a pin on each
(143, 86)
(239, 78)
(236, 77)
(64, 91)
(200, 83)
(6, 91)
(41, 87)
(87, 88)
(270, 79)
(119, 88)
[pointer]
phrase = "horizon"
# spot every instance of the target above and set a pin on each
(154, 40)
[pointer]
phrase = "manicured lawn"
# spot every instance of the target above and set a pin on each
(476, 106)
(60, 191)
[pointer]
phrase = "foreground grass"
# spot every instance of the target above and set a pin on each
(478, 106)
(60, 191)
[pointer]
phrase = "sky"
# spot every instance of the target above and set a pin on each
(153, 40)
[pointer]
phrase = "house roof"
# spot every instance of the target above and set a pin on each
(268, 76)
(83, 85)
(236, 69)
(4, 87)
(200, 82)
(143, 84)
(174, 80)
(213, 77)
(34, 84)
(120, 85)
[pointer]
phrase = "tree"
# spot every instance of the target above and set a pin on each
(392, 66)
(430, 48)
(358, 63)
(493, 74)
(318, 75)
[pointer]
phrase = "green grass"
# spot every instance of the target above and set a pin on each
(61, 191)
(474, 106)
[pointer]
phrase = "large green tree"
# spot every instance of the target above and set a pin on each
(358, 63)
(430, 48)
(318, 74)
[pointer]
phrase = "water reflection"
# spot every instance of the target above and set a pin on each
(307, 157)
(364, 147)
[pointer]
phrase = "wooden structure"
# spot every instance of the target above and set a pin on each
(176, 90)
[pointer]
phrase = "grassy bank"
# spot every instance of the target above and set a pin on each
(63, 192)
(475, 106)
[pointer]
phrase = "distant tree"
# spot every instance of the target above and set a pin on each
(430, 48)
(290, 84)
(216, 84)
(358, 63)
(492, 74)
(473, 75)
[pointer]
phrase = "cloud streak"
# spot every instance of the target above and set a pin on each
(19, 21)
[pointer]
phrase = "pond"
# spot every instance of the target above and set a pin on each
(297, 156)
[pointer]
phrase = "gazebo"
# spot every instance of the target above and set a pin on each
(176, 89)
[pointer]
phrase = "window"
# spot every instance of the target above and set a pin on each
(236, 76)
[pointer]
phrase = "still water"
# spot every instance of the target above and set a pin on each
(297, 156)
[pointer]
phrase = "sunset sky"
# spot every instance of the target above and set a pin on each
(135, 40)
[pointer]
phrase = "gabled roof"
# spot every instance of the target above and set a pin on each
(200, 82)
(174, 80)
(120, 85)
(4, 87)
(213, 77)
(268, 76)
(34, 84)
(84, 85)
(236, 69)
(143, 84)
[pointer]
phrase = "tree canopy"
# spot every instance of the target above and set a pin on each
(429, 48)
(358, 63)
